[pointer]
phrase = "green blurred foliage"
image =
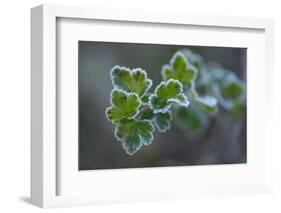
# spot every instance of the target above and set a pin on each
(214, 89)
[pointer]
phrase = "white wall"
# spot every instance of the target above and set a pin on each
(15, 98)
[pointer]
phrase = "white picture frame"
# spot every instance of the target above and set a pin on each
(46, 163)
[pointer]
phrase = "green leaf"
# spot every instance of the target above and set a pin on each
(145, 98)
(162, 121)
(191, 120)
(124, 105)
(232, 90)
(207, 103)
(131, 80)
(216, 74)
(193, 58)
(179, 69)
(146, 114)
(134, 133)
(167, 93)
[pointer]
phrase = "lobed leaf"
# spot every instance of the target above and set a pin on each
(167, 93)
(207, 103)
(193, 58)
(179, 69)
(131, 80)
(124, 105)
(230, 91)
(134, 133)
(191, 120)
(162, 121)
(146, 114)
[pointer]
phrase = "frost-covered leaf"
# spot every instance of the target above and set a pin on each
(191, 120)
(134, 133)
(232, 90)
(167, 93)
(131, 80)
(229, 91)
(162, 121)
(216, 73)
(145, 98)
(146, 114)
(124, 105)
(179, 69)
(207, 103)
(193, 58)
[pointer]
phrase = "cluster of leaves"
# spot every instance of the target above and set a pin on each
(136, 112)
(214, 88)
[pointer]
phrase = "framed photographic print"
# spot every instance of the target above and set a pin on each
(133, 105)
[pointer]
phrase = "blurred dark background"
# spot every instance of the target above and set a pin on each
(223, 143)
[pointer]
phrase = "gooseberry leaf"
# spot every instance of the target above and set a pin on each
(162, 121)
(232, 89)
(179, 69)
(193, 58)
(146, 114)
(124, 105)
(167, 93)
(145, 98)
(207, 103)
(134, 133)
(134, 80)
(192, 120)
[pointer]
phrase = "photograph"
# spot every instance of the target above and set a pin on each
(158, 105)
